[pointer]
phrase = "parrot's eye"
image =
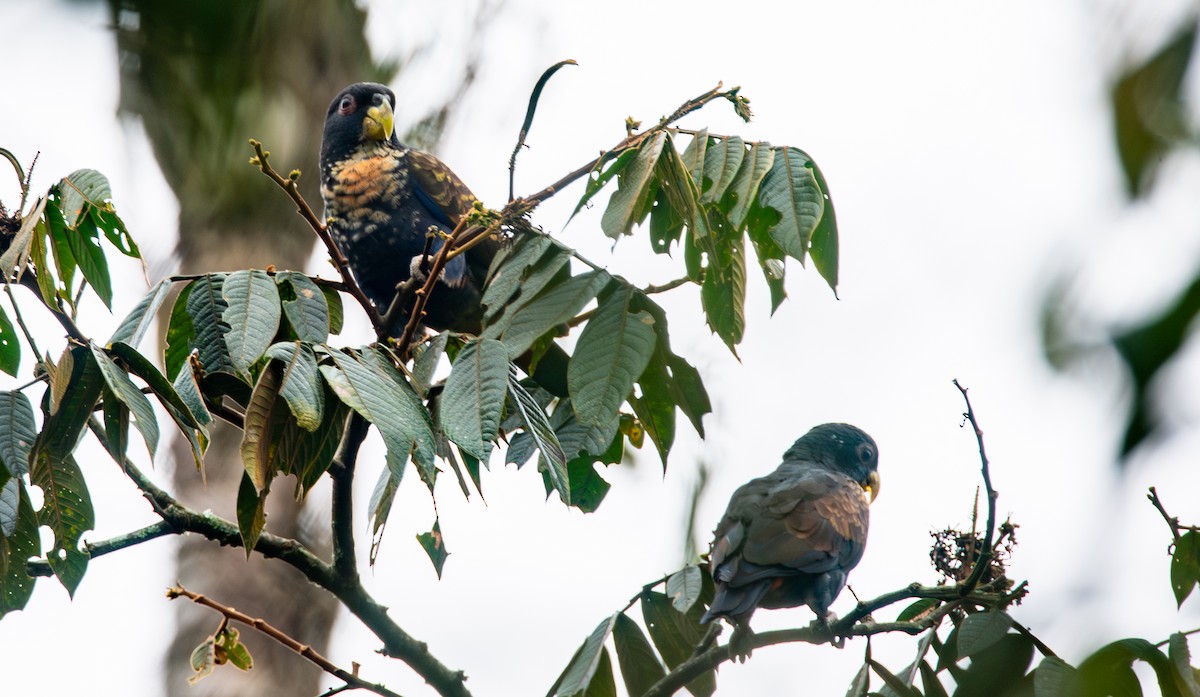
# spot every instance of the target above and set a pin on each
(865, 453)
(346, 106)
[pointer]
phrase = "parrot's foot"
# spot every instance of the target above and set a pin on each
(824, 625)
(709, 638)
(417, 266)
(741, 644)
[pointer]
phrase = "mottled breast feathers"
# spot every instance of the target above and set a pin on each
(387, 204)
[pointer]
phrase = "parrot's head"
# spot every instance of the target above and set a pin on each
(844, 448)
(361, 114)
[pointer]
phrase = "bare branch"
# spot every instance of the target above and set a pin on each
(40, 567)
(278, 635)
(985, 559)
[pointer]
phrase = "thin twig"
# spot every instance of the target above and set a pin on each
(988, 554)
(21, 320)
(263, 627)
(41, 567)
(29, 281)
(289, 186)
(1172, 521)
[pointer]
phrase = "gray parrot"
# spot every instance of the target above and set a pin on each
(791, 537)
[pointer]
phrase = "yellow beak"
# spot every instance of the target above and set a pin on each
(871, 486)
(379, 121)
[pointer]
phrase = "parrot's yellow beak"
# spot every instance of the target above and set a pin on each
(378, 123)
(871, 486)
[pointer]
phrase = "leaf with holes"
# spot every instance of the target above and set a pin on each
(67, 511)
(790, 190)
(1185, 566)
(21, 542)
(84, 243)
(434, 546)
(676, 635)
(10, 346)
(684, 587)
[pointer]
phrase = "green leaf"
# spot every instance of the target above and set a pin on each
(824, 243)
(998, 669)
(676, 635)
(893, 683)
(539, 429)
(684, 587)
(588, 488)
(474, 396)
(426, 357)
(1109, 671)
(116, 426)
(397, 412)
(599, 176)
(21, 542)
(791, 190)
(17, 432)
(180, 334)
(655, 409)
(84, 242)
(64, 260)
(630, 202)
(434, 546)
(251, 511)
(252, 315)
(123, 388)
(10, 346)
(583, 667)
(190, 416)
(206, 307)
(257, 446)
(10, 495)
(308, 454)
(1055, 677)
(723, 294)
(553, 307)
(603, 684)
(680, 191)
(722, 163)
(79, 188)
(694, 155)
(743, 191)
(78, 383)
(203, 660)
(425, 452)
(640, 667)
(613, 350)
(189, 393)
(107, 220)
(981, 630)
(381, 503)
(509, 272)
(306, 309)
(235, 652)
(929, 679)
(1186, 677)
(67, 511)
(1185, 566)
(917, 609)
(137, 322)
(337, 314)
(861, 682)
(38, 254)
(771, 262)
(300, 383)
(551, 270)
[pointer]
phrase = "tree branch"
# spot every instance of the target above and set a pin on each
(985, 559)
(341, 471)
(263, 627)
(40, 567)
(1172, 521)
(397, 643)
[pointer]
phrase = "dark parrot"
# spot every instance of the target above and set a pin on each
(789, 538)
(383, 199)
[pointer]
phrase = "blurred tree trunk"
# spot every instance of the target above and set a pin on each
(204, 77)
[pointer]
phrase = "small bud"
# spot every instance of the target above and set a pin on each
(294, 175)
(255, 161)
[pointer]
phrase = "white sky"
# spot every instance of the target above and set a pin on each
(970, 158)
